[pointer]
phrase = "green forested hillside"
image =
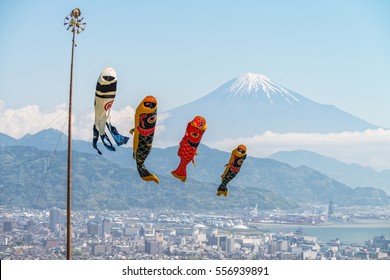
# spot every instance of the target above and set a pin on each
(29, 178)
(36, 178)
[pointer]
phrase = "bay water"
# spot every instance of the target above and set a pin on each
(348, 233)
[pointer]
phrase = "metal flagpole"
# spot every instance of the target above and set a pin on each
(75, 24)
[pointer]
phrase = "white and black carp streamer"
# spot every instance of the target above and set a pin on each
(104, 98)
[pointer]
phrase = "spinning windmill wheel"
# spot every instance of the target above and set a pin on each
(74, 23)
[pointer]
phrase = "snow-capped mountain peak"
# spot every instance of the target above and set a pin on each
(252, 104)
(256, 85)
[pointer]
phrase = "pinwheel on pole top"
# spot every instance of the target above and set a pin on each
(74, 23)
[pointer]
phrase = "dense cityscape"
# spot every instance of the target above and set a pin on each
(175, 235)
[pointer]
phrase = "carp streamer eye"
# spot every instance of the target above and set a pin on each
(108, 78)
(150, 105)
(152, 119)
(240, 161)
(194, 134)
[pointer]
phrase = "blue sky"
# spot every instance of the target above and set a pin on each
(332, 52)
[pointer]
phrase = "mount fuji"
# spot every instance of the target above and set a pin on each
(251, 104)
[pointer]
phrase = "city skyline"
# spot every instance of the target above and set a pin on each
(164, 234)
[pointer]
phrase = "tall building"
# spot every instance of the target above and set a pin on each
(230, 245)
(106, 226)
(93, 228)
(152, 247)
(272, 248)
(54, 219)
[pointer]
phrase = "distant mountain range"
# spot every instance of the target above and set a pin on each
(252, 104)
(351, 174)
(33, 177)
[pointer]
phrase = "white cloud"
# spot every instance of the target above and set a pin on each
(123, 119)
(30, 120)
(367, 148)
